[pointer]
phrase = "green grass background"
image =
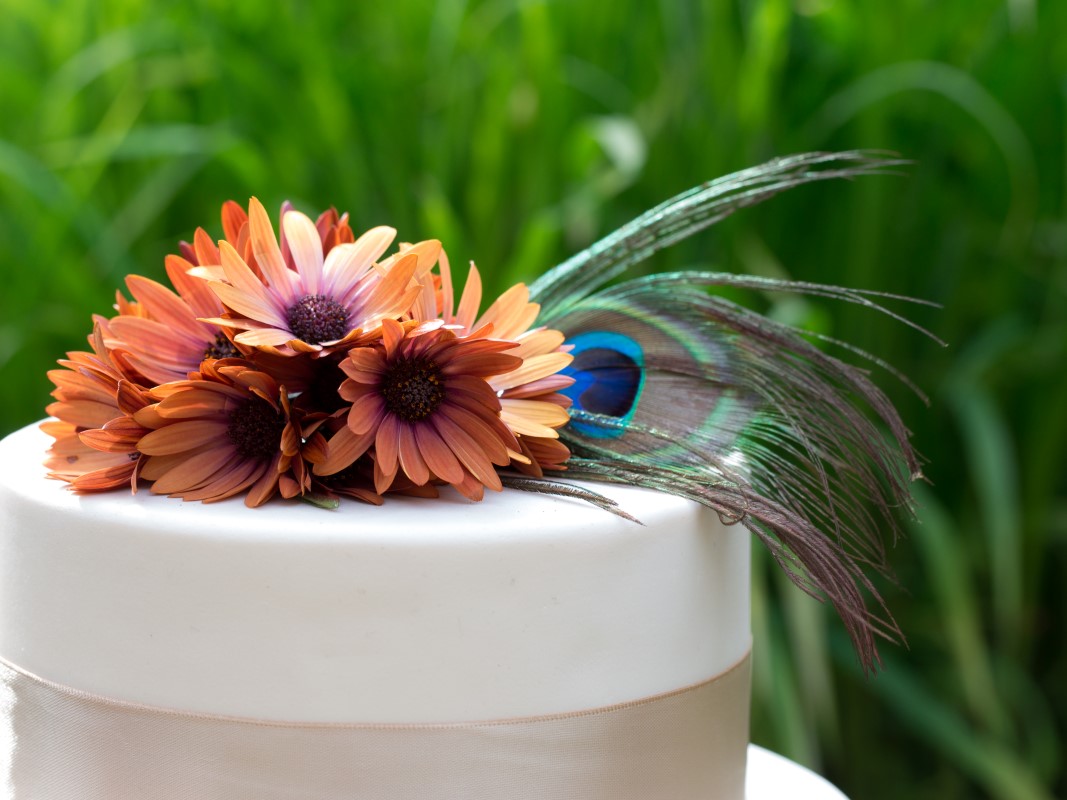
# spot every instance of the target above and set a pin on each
(517, 132)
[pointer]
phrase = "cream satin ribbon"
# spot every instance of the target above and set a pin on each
(58, 743)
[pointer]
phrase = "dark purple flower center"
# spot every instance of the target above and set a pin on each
(412, 389)
(222, 347)
(316, 318)
(256, 429)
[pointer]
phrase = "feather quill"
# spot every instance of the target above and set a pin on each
(683, 391)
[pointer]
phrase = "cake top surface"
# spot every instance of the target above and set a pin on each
(412, 520)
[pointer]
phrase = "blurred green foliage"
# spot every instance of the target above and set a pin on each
(517, 132)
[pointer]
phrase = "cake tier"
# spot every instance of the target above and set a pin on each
(416, 611)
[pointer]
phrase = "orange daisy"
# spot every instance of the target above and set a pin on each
(95, 447)
(531, 405)
(322, 303)
(422, 401)
(215, 437)
(162, 334)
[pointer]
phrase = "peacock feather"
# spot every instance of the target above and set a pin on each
(683, 391)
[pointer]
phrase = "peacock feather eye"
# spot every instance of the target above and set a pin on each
(608, 372)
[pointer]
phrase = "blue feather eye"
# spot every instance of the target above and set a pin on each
(608, 371)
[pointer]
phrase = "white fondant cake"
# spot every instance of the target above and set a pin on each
(419, 611)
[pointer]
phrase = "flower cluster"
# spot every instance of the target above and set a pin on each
(309, 364)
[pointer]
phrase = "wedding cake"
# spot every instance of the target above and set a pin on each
(580, 633)
(524, 646)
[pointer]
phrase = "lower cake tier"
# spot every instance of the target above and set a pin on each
(522, 647)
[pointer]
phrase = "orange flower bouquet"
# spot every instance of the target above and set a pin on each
(310, 366)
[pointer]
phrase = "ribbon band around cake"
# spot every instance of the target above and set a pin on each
(60, 742)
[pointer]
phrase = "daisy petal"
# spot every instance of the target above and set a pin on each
(392, 335)
(466, 450)
(268, 254)
(265, 337)
(541, 386)
(471, 299)
(189, 404)
(99, 439)
(306, 247)
(471, 488)
(479, 430)
(164, 306)
(159, 341)
(366, 413)
(382, 480)
(83, 413)
(343, 449)
(410, 460)
(539, 342)
(387, 444)
(439, 458)
(265, 487)
(484, 364)
(245, 282)
(193, 290)
(233, 477)
(190, 473)
(206, 251)
(532, 369)
(347, 263)
(391, 297)
(234, 220)
(511, 314)
(526, 422)
(426, 253)
(446, 287)
(181, 437)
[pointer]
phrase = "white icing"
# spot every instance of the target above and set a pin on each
(417, 611)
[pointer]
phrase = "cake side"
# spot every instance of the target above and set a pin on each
(412, 612)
